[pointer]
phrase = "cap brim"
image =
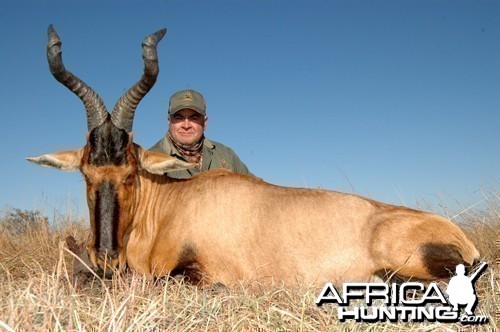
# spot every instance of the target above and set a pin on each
(185, 107)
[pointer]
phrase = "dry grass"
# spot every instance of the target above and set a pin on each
(38, 293)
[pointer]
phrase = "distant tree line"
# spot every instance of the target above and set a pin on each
(17, 221)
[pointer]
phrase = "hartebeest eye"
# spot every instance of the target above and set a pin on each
(130, 179)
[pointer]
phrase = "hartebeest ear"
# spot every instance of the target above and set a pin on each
(159, 163)
(63, 160)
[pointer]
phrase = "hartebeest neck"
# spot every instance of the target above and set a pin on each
(153, 193)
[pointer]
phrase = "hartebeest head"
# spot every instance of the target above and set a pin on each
(110, 161)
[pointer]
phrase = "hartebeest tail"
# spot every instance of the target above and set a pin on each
(225, 227)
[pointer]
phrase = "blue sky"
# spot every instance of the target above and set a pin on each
(395, 100)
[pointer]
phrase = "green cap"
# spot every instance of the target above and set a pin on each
(187, 99)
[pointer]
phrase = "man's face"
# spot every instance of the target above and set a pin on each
(187, 126)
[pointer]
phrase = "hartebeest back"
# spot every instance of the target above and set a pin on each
(225, 227)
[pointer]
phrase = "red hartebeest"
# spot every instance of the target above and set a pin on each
(225, 227)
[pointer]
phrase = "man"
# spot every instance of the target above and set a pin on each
(185, 138)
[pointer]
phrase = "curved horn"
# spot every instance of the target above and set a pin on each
(123, 113)
(96, 111)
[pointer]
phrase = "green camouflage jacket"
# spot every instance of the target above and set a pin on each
(215, 155)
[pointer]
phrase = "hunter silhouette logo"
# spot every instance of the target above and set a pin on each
(461, 291)
(409, 301)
